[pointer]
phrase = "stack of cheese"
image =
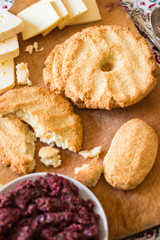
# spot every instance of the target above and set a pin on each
(45, 15)
(10, 26)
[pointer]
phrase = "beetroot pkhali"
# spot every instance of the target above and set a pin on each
(47, 208)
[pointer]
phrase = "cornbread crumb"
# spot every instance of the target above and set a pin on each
(50, 157)
(89, 174)
(91, 153)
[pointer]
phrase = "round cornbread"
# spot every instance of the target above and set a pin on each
(102, 67)
(131, 155)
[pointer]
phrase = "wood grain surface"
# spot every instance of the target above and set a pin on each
(127, 212)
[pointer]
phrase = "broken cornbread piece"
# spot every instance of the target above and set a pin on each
(23, 74)
(50, 115)
(89, 174)
(50, 157)
(91, 153)
(17, 145)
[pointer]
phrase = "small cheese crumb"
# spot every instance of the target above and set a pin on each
(35, 46)
(50, 157)
(89, 174)
(29, 49)
(1, 185)
(91, 153)
(23, 74)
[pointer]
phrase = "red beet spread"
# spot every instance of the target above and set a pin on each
(47, 209)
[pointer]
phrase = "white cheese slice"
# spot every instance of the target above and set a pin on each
(75, 9)
(7, 78)
(22, 73)
(91, 15)
(9, 49)
(10, 25)
(61, 10)
(38, 18)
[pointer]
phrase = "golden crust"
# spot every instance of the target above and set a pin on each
(48, 152)
(103, 67)
(131, 155)
(51, 116)
(89, 174)
(17, 145)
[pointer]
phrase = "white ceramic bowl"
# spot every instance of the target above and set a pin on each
(84, 193)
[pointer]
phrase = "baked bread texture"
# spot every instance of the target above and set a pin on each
(89, 174)
(131, 155)
(102, 67)
(92, 153)
(17, 145)
(50, 115)
(50, 157)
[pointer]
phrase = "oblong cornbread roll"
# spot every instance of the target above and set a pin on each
(102, 67)
(131, 155)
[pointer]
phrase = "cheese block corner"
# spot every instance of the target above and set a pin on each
(38, 18)
(9, 49)
(10, 25)
(7, 76)
(91, 15)
(75, 9)
(62, 12)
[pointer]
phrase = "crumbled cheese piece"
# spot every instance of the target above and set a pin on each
(91, 153)
(23, 74)
(50, 157)
(29, 49)
(1, 185)
(35, 46)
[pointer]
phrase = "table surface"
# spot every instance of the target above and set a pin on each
(146, 6)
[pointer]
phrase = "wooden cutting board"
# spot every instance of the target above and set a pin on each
(127, 212)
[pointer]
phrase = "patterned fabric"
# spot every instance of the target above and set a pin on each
(133, 7)
(140, 10)
(6, 4)
(144, 8)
